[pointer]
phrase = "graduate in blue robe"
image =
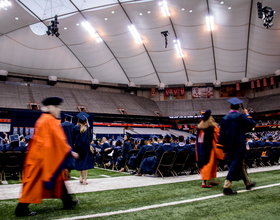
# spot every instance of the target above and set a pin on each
(181, 145)
(106, 149)
(135, 160)
(126, 147)
(82, 140)
(68, 128)
(149, 164)
(232, 136)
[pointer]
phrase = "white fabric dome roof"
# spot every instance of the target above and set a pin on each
(238, 47)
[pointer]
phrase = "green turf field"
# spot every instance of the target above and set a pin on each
(260, 204)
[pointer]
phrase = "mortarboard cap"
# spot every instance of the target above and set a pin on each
(206, 115)
(235, 101)
(146, 138)
(160, 137)
(52, 101)
(168, 137)
(83, 116)
(68, 117)
(119, 138)
(14, 138)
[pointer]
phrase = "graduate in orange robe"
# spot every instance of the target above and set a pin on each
(207, 138)
(47, 157)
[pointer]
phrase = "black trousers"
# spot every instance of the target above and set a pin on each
(22, 208)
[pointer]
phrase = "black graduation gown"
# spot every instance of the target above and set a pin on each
(232, 135)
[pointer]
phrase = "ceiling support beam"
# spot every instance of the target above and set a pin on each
(142, 43)
(59, 39)
(103, 42)
(183, 61)
(213, 46)
(248, 38)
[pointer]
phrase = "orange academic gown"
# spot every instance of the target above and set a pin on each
(44, 162)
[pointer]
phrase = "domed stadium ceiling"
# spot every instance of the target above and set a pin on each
(238, 46)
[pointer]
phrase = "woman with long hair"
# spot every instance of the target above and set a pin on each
(206, 151)
(82, 142)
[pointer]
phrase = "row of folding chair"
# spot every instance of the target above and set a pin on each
(262, 156)
(12, 162)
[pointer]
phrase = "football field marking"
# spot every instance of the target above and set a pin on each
(162, 205)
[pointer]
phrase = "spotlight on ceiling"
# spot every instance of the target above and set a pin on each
(178, 48)
(165, 34)
(92, 31)
(161, 86)
(135, 34)
(52, 28)
(210, 23)
(5, 3)
(95, 83)
(266, 14)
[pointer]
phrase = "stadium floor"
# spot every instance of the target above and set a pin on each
(12, 191)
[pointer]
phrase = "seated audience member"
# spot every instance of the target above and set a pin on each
(155, 141)
(22, 144)
(126, 147)
(106, 148)
(174, 141)
(249, 142)
(182, 145)
(258, 141)
(134, 161)
(268, 142)
(149, 164)
(192, 146)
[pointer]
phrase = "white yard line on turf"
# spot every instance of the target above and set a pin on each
(116, 171)
(162, 205)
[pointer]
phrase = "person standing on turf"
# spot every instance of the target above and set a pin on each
(46, 158)
(232, 136)
(206, 152)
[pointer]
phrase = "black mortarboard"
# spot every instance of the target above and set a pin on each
(235, 101)
(52, 101)
(160, 137)
(206, 115)
(83, 116)
(146, 138)
(168, 137)
(68, 117)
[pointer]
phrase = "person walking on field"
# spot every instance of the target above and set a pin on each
(232, 137)
(206, 151)
(46, 158)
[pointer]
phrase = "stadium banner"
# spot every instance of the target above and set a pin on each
(15, 130)
(153, 91)
(173, 95)
(271, 80)
(202, 93)
(26, 131)
(175, 92)
(166, 91)
(21, 130)
(258, 83)
(264, 82)
(237, 86)
(31, 131)
(182, 91)
(230, 91)
(252, 84)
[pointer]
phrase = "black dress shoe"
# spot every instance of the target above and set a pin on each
(25, 213)
(71, 204)
(229, 191)
(251, 185)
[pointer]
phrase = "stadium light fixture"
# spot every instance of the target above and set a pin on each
(178, 48)
(210, 23)
(5, 3)
(92, 32)
(164, 8)
(135, 34)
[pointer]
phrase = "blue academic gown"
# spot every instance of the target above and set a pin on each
(232, 135)
(102, 153)
(149, 164)
(181, 147)
(68, 128)
(82, 147)
(259, 143)
(276, 144)
(135, 160)
(121, 159)
(156, 145)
